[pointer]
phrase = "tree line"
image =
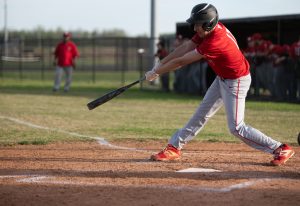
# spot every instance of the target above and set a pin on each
(40, 32)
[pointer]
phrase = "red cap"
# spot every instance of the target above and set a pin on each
(256, 36)
(67, 34)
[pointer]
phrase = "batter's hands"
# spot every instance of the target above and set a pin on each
(151, 76)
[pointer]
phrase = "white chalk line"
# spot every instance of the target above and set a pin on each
(100, 140)
(36, 179)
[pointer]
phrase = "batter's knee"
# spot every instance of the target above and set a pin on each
(237, 130)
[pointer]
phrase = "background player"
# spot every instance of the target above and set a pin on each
(65, 55)
(214, 42)
(160, 54)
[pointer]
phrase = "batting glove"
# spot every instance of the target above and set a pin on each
(157, 64)
(151, 76)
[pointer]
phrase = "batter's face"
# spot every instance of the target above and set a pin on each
(200, 31)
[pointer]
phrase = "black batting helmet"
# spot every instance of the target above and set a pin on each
(206, 14)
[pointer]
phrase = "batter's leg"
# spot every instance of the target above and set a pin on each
(234, 94)
(211, 103)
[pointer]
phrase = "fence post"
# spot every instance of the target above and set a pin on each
(94, 58)
(43, 59)
(20, 58)
(124, 60)
(1, 61)
(140, 57)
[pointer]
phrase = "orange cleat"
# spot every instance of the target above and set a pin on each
(282, 154)
(168, 154)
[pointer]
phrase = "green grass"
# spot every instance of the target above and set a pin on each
(79, 76)
(136, 114)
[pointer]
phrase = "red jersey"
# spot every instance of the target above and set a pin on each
(281, 50)
(222, 53)
(263, 48)
(65, 52)
(295, 50)
(161, 53)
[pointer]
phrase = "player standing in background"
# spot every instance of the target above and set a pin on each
(283, 75)
(214, 42)
(65, 55)
(160, 54)
(295, 55)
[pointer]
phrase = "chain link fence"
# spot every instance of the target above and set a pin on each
(96, 55)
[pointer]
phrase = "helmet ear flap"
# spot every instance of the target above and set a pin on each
(207, 26)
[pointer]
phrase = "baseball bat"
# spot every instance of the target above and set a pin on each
(105, 98)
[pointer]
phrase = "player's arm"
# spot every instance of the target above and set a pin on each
(75, 55)
(178, 62)
(179, 51)
(55, 54)
(55, 61)
(174, 64)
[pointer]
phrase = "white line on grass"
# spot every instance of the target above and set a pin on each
(100, 140)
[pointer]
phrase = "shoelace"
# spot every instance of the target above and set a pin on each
(164, 150)
(161, 152)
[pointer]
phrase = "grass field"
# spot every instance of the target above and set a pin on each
(137, 114)
(49, 155)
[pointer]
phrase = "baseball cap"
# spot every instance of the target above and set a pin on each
(257, 36)
(67, 34)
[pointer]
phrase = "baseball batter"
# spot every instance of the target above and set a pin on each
(214, 42)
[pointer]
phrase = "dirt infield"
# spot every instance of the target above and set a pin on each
(94, 174)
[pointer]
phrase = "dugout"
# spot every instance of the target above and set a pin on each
(280, 29)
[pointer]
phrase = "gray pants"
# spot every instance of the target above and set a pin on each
(232, 94)
(58, 75)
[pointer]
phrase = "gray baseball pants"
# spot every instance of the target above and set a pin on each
(232, 94)
(58, 75)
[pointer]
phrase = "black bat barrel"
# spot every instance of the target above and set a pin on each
(105, 98)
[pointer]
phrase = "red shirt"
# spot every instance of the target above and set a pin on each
(222, 53)
(263, 48)
(65, 52)
(281, 50)
(295, 50)
(161, 53)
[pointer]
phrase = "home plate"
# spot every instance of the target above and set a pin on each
(198, 170)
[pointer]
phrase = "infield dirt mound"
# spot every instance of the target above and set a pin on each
(91, 174)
